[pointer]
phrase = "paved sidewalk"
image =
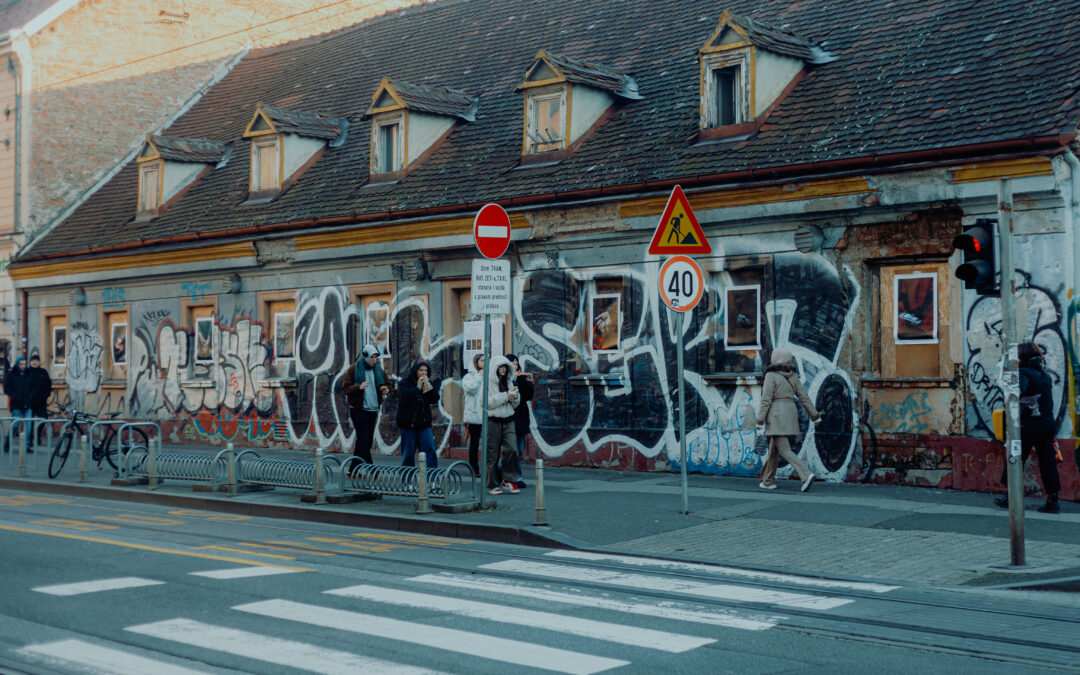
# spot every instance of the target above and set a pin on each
(898, 534)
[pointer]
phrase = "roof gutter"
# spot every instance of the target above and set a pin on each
(1019, 146)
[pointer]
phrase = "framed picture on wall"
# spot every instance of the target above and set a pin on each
(473, 334)
(915, 308)
(742, 317)
(59, 345)
(605, 323)
(377, 326)
(284, 332)
(118, 340)
(204, 340)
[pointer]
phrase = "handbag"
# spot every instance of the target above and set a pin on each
(761, 445)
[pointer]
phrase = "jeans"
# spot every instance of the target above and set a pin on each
(410, 438)
(27, 414)
(364, 422)
(475, 431)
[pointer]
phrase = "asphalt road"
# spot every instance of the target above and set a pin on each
(102, 587)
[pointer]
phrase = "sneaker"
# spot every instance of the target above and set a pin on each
(520, 484)
(510, 487)
(1002, 501)
(495, 491)
(763, 486)
(806, 484)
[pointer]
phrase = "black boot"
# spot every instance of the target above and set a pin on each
(1002, 501)
(1051, 505)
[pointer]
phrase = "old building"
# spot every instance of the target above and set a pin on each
(322, 195)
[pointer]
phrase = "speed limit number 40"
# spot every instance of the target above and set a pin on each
(681, 283)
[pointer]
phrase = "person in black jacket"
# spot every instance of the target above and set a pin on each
(416, 394)
(18, 387)
(364, 386)
(1037, 425)
(40, 387)
(524, 382)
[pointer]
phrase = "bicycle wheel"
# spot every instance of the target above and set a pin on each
(59, 455)
(136, 439)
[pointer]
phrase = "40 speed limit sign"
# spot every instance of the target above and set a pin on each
(681, 283)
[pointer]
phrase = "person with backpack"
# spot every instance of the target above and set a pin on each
(364, 386)
(416, 394)
(503, 398)
(1037, 425)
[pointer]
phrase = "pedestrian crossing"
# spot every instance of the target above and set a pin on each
(577, 619)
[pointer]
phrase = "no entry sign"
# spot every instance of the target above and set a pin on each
(681, 283)
(491, 230)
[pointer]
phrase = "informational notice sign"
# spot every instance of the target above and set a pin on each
(474, 339)
(490, 286)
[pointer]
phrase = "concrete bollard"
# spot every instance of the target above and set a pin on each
(320, 487)
(541, 510)
(422, 505)
(151, 462)
(83, 463)
(230, 469)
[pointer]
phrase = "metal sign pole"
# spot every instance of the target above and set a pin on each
(1011, 378)
(682, 410)
(484, 407)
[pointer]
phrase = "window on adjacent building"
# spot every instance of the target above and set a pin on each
(265, 164)
(546, 128)
(149, 186)
(387, 149)
(725, 96)
(915, 319)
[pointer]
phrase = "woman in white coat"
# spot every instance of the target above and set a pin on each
(472, 383)
(778, 418)
(503, 398)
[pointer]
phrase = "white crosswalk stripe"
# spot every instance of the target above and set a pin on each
(97, 585)
(243, 572)
(658, 610)
(719, 570)
(273, 650)
(474, 644)
(655, 583)
(90, 659)
(646, 638)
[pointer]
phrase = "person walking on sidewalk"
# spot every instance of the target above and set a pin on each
(524, 382)
(472, 383)
(503, 398)
(364, 386)
(19, 388)
(1037, 425)
(416, 394)
(778, 418)
(40, 390)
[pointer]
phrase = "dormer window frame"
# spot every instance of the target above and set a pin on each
(379, 122)
(739, 59)
(270, 139)
(532, 143)
(147, 165)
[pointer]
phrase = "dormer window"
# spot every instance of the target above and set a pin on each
(564, 99)
(408, 121)
(726, 96)
(168, 166)
(283, 143)
(150, 186)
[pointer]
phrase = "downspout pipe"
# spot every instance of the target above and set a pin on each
(1072, 211)
(18, 142)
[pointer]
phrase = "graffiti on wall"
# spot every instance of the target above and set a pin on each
(83, 363)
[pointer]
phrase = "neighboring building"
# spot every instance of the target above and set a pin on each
(322, 195)
(83, 81)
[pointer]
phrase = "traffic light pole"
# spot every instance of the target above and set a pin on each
(1011, 377)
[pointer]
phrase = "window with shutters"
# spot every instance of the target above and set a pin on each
(388, 144)
(725, 89)
(150, 177)
(266, 164)
(546, 127)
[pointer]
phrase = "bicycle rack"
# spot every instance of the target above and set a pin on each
(8, 425)
(149, 441)
(357, 476)
(99, 426)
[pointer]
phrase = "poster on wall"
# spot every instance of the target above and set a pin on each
(59, 349)
(473, 334)
(377, 326)
(204, 340)
(118, 340)
(605, 321)
(742, 317)
(915, 308)
(283, 335)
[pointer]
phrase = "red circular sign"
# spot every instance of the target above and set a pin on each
(491, 230)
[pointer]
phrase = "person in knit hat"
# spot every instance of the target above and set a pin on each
(364, 386)
(19, 388)
(778, 418)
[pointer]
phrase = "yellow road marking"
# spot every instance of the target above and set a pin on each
(225, 518)
(412, 538)
(375, 547)
(27, 500)
(240, 550)
(69, 524)
(139, 519)
(155, 549)
(296, 548)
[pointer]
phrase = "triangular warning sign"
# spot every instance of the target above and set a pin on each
(678, 230)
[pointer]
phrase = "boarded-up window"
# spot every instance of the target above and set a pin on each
(264, 165)
(915, 321)
(149, 186)
(116, 352)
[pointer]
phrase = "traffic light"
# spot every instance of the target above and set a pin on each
(979, 266)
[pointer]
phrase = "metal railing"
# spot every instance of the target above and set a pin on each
(288, 473)
(16, 452)
(130, 445)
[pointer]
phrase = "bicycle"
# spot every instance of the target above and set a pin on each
(104, 450)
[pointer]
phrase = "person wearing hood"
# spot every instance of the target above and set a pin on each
(40, 387)
(1037, 425)
(524, 382)
(416, 394)
(472, 383)
(503, 398)
(19, 388)
(778, 418)
(364, 386)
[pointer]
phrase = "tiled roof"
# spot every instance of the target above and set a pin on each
(303, 123)
(911, 75)
(201, 150)
(435, 100)
(591, 74)
(774, 39)
(17, 13)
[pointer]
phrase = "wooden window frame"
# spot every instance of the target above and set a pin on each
(534, 97)
(58, 373)
(255, 186)
(144, 167)
(282, 369)
(889, 350)
(105, 323)
(187, 307)
(742, 61)
(399, 118)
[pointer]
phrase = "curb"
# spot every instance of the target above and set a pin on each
(500, 534)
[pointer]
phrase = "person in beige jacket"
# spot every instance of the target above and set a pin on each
(778, 418)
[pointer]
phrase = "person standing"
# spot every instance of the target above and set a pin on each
(778, 418)
(364, 386)
(472, 383)
(503, 398)
(416, 394)
(40, 388)
(18, 387)
(524, 382)
(1037, 425)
